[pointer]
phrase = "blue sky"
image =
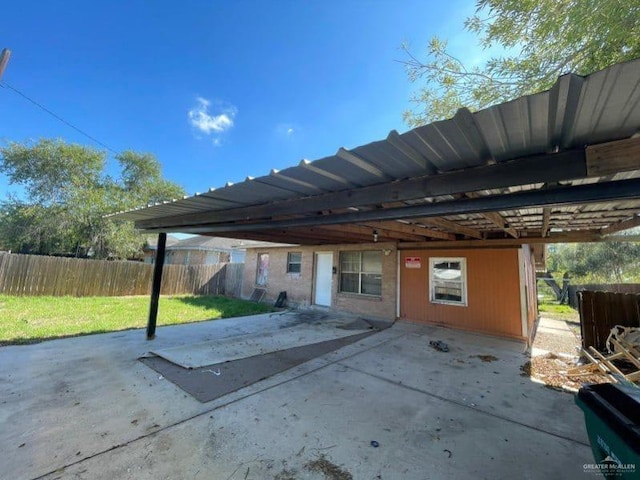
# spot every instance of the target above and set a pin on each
(218, 90)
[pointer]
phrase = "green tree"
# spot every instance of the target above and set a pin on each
(539, 40)
(602, 262)
(67, 195)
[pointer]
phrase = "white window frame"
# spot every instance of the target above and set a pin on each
(360, 273)
(463, 281)
(289, 263)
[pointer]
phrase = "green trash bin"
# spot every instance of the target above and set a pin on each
(612, 417)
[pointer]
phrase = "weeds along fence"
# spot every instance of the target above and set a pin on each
(39, 275)
(601, 311)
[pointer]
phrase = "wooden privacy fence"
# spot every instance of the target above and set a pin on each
(610, 287)
(40, 275)
(601, 311)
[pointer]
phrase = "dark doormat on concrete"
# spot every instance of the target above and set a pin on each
(213, 381)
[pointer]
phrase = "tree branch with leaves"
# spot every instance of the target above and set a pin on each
(67, 195)
(539, 40)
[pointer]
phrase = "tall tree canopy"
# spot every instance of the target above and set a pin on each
(603, 262)
(67, 194)
(541, 40)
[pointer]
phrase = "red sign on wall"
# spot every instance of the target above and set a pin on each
(412, 262)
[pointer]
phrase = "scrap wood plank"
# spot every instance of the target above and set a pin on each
(606, 361)
(594, 365)
(625, 351)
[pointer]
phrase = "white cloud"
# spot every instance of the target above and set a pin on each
(286, 130)
(212, 123)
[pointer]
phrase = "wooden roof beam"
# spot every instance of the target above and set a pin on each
(315, 236)
(507, 242)
(546, 218)
(613, 157)
(624, 225)
(408, 229)
(496, 218)
(500, 222)
(452, 227)
(367, 231)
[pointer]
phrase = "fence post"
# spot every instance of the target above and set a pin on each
(155, 288)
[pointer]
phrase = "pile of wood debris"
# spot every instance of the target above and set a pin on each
(552, 370)
(622, 363)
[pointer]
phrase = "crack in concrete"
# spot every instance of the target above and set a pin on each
(209, 411)
(455, 402)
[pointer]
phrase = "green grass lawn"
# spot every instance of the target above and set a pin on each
(34, 319)
(560, 312)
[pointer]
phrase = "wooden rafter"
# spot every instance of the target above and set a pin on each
(624, 225)
(325, 232)
(452, 227)
(613, 157)
(439, 222)
(496, 218)
(546, 218)
(586, 236)
(306, 236)
(367, 232)
(407, 229)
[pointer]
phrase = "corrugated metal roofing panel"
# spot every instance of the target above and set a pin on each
(601, 107)
(297, 188)
(348, 171)
(608, 105)
(444, 147)
(389, 159)
(252, 191)
(312, 175)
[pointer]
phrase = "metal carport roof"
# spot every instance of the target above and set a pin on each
(554, 166)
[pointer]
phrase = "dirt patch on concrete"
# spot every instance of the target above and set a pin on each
(330, 470)
(485, 358)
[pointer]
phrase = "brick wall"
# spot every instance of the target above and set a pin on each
(299, 286)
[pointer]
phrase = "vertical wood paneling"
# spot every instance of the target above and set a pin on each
(531, 286)
(601, 311)
(493, 292)
(40, 275)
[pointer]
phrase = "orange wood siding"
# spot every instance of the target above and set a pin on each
(493, 292)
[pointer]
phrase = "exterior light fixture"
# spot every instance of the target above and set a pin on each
(375, 235)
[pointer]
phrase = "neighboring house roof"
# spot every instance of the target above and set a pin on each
(268, 245)
(152, 241)
(203, 242)
(543, 167)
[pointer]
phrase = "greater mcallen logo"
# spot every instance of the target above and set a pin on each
(609, 466)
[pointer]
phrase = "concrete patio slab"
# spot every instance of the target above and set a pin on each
(234, 348)
(86, 408)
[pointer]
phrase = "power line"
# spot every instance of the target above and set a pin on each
(58, 117)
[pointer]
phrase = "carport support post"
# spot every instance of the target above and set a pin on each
(155, 287)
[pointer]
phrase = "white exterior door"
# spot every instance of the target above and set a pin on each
(323, 279)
